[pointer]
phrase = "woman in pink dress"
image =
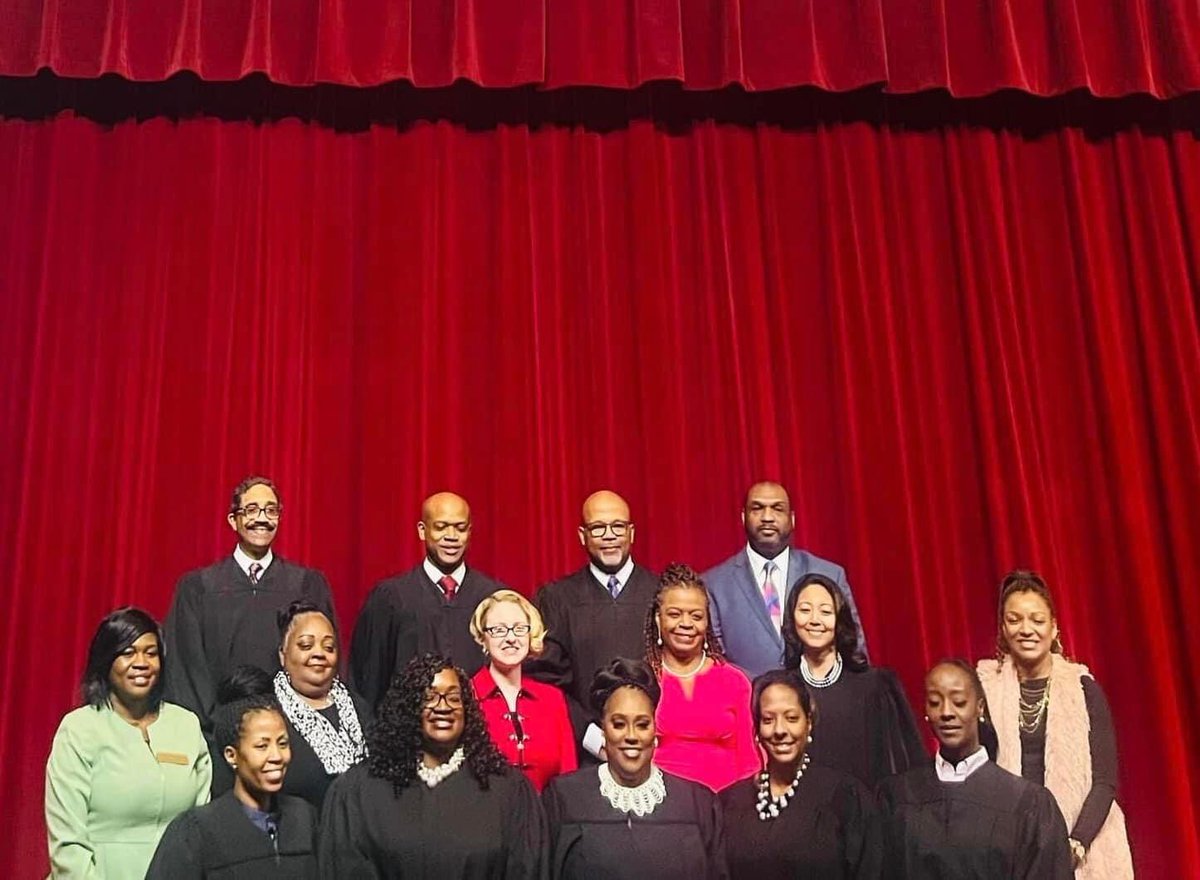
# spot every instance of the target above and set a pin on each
(705, 732)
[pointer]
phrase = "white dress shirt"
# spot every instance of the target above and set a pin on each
(435, 574)
(948, 772)
(245, 560)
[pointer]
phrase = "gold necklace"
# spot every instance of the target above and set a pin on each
(1032, 713)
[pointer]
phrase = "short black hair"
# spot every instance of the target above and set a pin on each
(988, 738)
(620, 673)
(845, 633)
(245, 486)
(116, 632)
(285, 616)
(246, 690)
(789, 678)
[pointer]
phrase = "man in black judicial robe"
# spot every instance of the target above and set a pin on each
(224, 616)
(426, 609)
(594, 615)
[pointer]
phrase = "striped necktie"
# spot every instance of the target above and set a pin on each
(771, 594)
(614, 585)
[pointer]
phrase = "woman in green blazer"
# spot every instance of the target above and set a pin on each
(125, 763)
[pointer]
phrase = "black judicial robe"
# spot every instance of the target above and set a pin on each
(407, 615)
(829, 829)
(865, 727)
(219, 620)
(306, 777)
(219, 842)
(586, 628)
(992, 825)
(455, 829)
(683, 839)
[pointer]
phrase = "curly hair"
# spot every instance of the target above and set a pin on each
(1022, 580)
(845, 633)
(676, 576)
(988, 738)
(394, 740)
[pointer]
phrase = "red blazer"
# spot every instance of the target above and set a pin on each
(547, 747)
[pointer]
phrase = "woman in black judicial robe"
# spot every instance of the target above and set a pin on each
(435, 799)
(966, 817)
(626, 818)
(867, 725)
(795, 819)
(252, 832)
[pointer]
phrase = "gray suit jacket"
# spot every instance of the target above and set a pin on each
(739, 616)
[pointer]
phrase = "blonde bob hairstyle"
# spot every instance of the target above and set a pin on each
(537, 629)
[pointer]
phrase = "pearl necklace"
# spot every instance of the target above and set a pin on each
(768, 806)
(834, 674)
(431, 776)
(699, 666)
(638, 799)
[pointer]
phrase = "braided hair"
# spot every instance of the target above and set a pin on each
(394, 740)
(676, 576)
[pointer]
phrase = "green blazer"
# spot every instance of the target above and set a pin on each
(109, 797)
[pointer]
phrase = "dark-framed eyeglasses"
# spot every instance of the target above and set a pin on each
(251, 511)
(500, 632)
(597, 530)
(453, 699)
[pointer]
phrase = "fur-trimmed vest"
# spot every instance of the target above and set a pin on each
(1068, 756)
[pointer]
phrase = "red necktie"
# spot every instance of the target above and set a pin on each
(449, 587)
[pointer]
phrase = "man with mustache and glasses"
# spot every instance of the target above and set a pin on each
(594, 615)
(748, 590)
(223, 616)
(426, 609)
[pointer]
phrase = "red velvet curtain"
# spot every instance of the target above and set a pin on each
(965, 342)
(1111, 48)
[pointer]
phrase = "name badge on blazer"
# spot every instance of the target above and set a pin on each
(172, 758)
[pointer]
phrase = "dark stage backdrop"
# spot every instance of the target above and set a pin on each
(965, 344)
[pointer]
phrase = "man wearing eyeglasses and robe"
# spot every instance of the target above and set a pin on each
(426, 609)
(224, 616)
(594, 615)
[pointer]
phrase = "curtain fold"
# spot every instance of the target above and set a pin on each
(964, 345)
(1044, 47)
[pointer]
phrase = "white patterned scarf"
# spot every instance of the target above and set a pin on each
(338, 750)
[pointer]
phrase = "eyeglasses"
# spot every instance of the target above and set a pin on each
(434, 698)
(499, 632)
(251, 511)
(597, 530)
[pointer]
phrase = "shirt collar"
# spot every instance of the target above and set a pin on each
(622, 574)
(757, 560)
(487, 687)
(948, 772)
(244, 560)
(435, 574)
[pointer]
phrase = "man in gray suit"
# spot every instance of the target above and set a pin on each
(749, 590)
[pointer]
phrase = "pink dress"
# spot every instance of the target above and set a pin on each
(709, 737)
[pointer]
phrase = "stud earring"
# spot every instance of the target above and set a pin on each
(810, 737)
